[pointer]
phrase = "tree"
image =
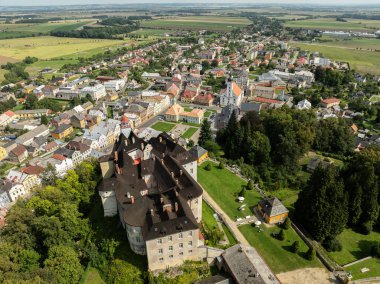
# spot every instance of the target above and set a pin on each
(251, 185)
(322, 207)
(287, 224)
(44, 120)
(311, 254)
(281, 235)
(295, 246)
(208, 167)
(242, 192)
(65, 264)
(205, 133)
(121, 271)
(361, 177)
(221, 165)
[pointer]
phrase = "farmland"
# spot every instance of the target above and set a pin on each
(212, 23)
(25, 30)
(354, 43)
(332, 24)
(361, 60)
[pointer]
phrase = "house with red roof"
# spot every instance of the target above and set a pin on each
(7, 117)
(330, 102)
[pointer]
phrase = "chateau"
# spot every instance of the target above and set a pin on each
(152, 186)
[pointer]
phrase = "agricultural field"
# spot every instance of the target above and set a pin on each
(362, 61)
(152, 32)
(47, 47)
(353, 43)
(212, 23)
(333, 24)
(25, 30)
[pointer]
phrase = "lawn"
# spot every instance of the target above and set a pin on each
(224, 187)
(208, 216)
(287, 196)
(213, 23)
(355, 246)
(363, 61)
(230, 236)
(372, 264)
(47, 47)
(208, 113)
(163, 126)
(331, 24)
(91, 276)
(189, 133)
(277, 253)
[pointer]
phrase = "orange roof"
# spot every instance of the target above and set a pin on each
(59, 157)
(265, 100)
(194, 113)
(32, 170)
(330, 101)
(174, 110)
(9, 113)
(236, 89)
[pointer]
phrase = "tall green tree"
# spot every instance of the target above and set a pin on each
(205, 133)
(322, 207)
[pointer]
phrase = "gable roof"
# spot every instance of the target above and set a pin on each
(273, 206)
(197, 151)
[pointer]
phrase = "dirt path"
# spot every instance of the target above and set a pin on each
(307, 275)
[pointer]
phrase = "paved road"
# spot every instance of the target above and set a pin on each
(227, 220)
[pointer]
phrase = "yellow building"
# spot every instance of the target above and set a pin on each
(199, 153)
(3, 153)
(272, 210)
(62, 131)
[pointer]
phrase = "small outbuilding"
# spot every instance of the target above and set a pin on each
(199, 153)
(272, 210)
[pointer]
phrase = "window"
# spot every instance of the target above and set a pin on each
(170, 238)
(160, 251)
(171, 256)
(190, 233)
(190, 251)
(190, 244)
(191, 170)
(170, 248)
(180, 236)
(181, 253)
(181, 245)
(138, 239)
(159, 241)
(161, 259)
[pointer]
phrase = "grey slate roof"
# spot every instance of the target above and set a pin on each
(197, 151)
(273, 207)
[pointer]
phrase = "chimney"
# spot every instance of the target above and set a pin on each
(151, 212)
(162, 161)
(132, 199)
(160, 139)
(172, 173)
(162, 200)
(176, 207)
(142, 146)
(176, 181)
(180, 172)
(128, 195)
(118, 171)
(116, 156)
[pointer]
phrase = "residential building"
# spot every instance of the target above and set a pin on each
(330, 102)
(29, 181)
(18, 154)
(13, 190)
(62, 131)
(304, 104)
(96, 92)
(27, 138)
(7, 118)
(31, 113)
(176, 113)
(151, 186)
(3, 153)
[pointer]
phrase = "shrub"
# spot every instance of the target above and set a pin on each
(375, 250)
(208, 167)
(287, 224)
(221, 165)
(281, 235)
(242, 192)
(295, 246)
(367, 227)
(311, 254)
(331, 244)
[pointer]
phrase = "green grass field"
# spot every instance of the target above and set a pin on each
(213, 23)
(332, 24)
(51, 26)
(189, 132)
(230, 237)
(163, 126)
(152, 32)
(355, 246)
(47, 47)
(372, 264)
(224, 187)
(277, 253)
(207, 216)
(354, 43)
(91, 276)
(361, 60)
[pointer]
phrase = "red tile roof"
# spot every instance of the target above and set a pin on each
(59, 157)
(32, 170)
(9, 113)
(265, 100)
(330, 101)
(19, 150)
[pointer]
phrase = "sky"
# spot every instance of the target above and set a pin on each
(83, 2)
